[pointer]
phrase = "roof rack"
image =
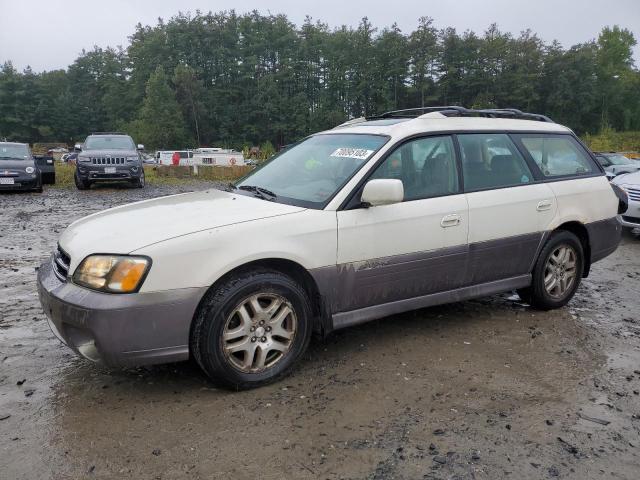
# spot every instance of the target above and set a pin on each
(458, 111)
(107, 133)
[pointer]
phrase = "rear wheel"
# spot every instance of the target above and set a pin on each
(557, 272)
(252, 329)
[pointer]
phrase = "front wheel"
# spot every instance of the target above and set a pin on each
(557, 272)
(80, 183)
(252, 329)
(140, 181)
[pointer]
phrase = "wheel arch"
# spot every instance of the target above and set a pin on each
(287, 267)
(580, 231)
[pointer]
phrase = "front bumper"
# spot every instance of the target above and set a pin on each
(97, 173)
(119, 330)
(24, 182)
(631, 218)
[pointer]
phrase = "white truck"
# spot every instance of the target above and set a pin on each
(215, 156)
(201, 156)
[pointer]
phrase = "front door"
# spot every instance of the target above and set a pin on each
(416, 247)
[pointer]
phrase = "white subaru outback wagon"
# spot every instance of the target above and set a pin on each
(375, 217)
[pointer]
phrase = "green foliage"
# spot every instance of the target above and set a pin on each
(224, 79)
(610, 140)
(160, 123)
(267, 150)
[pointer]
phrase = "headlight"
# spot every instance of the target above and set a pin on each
(112, 273)
(83, 159)
(132, 159)
(29, 169)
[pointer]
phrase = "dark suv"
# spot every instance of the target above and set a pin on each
(108, 157)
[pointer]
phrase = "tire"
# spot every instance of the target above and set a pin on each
(80, 183)
(561, 262)
(240, 362)
(38, 188)
(140, 182)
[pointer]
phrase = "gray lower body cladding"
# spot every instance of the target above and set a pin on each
(119, 330)
(604, 237)
(362, 291)
(391, 279)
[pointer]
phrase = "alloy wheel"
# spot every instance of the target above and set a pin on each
(259, 332)
(560, 271)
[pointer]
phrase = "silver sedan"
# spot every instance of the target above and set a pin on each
(630, 183)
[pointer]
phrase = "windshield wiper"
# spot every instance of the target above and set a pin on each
(259, 191)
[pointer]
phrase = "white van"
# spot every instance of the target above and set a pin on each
(383, 215)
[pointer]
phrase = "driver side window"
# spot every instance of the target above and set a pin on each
(426, 166)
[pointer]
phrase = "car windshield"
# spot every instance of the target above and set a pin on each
(104, 142)
(13, 152)
(310, 173)
(618, 159)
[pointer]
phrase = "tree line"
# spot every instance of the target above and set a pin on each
(229, 79)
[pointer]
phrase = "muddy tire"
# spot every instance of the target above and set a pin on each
(557, 272)
(252, 329)
(140, 181)
(80, 183)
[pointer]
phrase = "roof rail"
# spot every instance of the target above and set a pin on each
(458, 111)
(107, 133)
(408, 112)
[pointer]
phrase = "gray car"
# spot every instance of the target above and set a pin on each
(109, 157)
(18, 168)
(630, 183)
(617, 164)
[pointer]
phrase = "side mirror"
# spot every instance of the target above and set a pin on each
(140, 147)
(384, 191)
(77, 147)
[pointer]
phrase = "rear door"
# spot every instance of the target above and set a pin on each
(416, 247)
(509, 211)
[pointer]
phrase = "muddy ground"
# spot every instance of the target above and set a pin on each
(485, 389)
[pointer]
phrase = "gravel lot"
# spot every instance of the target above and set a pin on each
(484, 389)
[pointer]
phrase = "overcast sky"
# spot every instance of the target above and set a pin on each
(49, 34)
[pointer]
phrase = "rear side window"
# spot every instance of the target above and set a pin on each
(558, 155)
(492, 161)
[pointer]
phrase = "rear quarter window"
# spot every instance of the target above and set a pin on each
(558, 155)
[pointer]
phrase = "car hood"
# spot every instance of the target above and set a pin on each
(130, 227)
(628, 179)
(112, 153)
(15, 165)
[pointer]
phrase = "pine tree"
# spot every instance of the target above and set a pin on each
(160, 123)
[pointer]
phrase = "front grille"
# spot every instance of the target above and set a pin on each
(634, 194)
(628, 219)
(108, 160)
(61, 262)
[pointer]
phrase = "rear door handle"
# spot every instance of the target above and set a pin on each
(450, 220)
(544, 205)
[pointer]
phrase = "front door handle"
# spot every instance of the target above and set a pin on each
(544, 205)
(450, 220)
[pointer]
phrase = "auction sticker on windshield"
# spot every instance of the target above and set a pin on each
(359, 153)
